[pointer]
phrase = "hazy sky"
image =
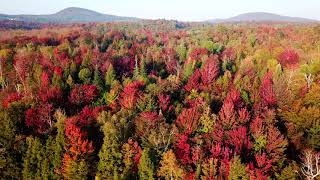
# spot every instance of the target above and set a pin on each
(168, 9)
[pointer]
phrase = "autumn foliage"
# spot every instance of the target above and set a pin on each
(288, 57)
(159, 100)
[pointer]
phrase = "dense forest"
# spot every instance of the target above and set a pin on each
(160, 100)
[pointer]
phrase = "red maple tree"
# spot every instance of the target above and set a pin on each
(288, 57)
(266, 91)
(130, 94)
(83, 94)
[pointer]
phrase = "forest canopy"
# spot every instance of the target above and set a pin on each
(159, 100)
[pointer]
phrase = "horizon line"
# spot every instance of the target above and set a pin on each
(163, 18)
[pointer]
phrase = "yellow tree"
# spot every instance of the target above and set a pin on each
(169, 167)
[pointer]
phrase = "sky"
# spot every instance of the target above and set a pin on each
(183, 10)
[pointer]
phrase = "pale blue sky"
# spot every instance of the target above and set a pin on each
(187, 10)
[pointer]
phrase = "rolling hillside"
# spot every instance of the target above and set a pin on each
(68, 15)
(262, 17)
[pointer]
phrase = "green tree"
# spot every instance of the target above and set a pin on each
(59, 143)
(86, 60)
(206, 121)
(9, 166)
(182, 52)
(7, 130)
(77, 170)
(188, 69)
(12, 141)
(252, 40)
(314, 135)
(33, 159)
(143, 72)
(237, 169)
(146, 168)
(110, 156)
(290, 172)
(97, 79)
(47, 168)
(110, 77)
(210, 46)
(73, 69)
(136, 71)
(85, 75)
(9, 163)
(57, 80)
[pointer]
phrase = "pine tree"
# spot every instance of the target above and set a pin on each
(7, 129)
(314, 135)
(97, 79)
(59, 143)
(70, 81)
(289, 172)
(33, 159)
(237, 170)
(12, 146)
(9, 163)
(85, 75)
(57, 80)
(110, 77)
(136, 71)
(143, 72)
(82, 170)
(73, 68)
(206, 121)
(9, 166)
(182, 52)
(145, 168)
(188, 69)
(110, 156)
(77, 170)
(47, 168)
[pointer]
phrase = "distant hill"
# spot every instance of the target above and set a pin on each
(262, 17)
(68, 15)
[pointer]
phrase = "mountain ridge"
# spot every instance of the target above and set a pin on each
(82, 15)
(262, 17)
(68, 15)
